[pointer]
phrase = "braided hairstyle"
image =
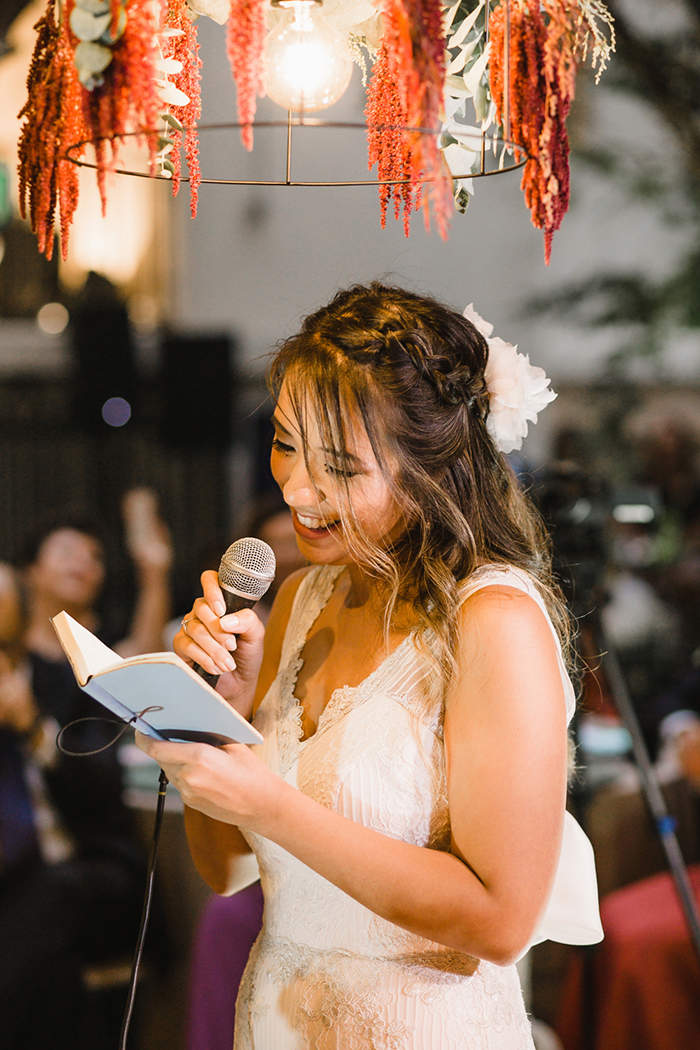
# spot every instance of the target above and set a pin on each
(410, 370)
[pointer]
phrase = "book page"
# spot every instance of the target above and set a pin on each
(87, 654)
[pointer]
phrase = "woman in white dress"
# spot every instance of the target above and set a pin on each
(407, 806)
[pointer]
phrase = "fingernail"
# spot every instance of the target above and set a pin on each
(219, 608)
(230, 663)
(229, 622)
(230, 643)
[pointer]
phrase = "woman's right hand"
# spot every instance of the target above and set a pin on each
(227, 645)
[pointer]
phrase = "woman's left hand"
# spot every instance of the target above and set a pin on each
(228, 783)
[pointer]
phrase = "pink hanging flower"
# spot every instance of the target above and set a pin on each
(245, 42)
(185, 49)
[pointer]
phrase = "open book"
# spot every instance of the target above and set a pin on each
(158, 692)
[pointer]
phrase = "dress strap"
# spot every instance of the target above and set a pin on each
(311, 597)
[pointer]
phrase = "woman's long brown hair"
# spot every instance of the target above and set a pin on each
(410, 371)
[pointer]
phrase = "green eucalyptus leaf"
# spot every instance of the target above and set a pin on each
(171, 95)
(172, 121)
(445, 140)
(462, 198)
(110, 36)
(94, 7)
(90, 60)
(481, 101)
(88, 27)
(464, 27)
(169, 166)
(90, 83)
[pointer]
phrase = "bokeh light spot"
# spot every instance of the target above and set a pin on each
(116, 411)
(52, 318)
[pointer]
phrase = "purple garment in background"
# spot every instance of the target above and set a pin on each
(226, 932)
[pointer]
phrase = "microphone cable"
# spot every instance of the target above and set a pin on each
(150, 872)
(145, 914)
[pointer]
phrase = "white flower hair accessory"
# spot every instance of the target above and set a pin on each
(517, 389)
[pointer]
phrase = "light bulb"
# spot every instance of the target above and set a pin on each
(307, 63)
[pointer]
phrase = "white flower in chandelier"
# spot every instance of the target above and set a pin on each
(518, 391)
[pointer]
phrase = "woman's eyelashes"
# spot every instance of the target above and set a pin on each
(279, 446)
(340, 472)
(335, 469)
(331, 468)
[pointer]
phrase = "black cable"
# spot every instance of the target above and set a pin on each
(110, 722)
(162, 787)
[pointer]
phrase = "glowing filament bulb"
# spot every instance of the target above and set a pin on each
(307, 63)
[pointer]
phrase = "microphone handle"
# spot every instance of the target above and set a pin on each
(234, 603)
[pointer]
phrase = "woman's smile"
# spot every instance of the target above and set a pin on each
(313, 524)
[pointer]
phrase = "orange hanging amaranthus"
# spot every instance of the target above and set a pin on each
(184, 48)
(245, 42)
(407, 87)
(544, 41)
(388, 145)
(61, 112)
(53, 120)
(127, 101)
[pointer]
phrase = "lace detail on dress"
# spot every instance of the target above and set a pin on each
(335, 1000)
(327, 973)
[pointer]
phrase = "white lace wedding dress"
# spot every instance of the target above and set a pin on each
(326, 973)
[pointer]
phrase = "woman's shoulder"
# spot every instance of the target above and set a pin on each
(505, 606)
(502, 602)
(498, 574)
(503, 610)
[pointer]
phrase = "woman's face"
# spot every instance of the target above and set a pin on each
(69, 568)
(317, 492)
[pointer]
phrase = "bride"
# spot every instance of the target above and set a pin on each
(407, 806)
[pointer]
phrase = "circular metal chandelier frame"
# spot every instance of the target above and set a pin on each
(486, 143)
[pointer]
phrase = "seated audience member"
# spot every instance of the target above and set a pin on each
(71, 870)
(229, 926)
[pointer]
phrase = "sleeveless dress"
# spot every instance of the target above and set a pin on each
(327, 973)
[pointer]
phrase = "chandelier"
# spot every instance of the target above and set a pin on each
(456, 90)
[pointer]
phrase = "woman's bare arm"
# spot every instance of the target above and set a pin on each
(505, 734)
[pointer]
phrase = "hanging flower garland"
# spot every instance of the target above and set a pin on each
(118, 74)
(406, 91)
(388, 145)
(545, 42)
(53, 120)
(245, 40)
(105, 69)
(180, 60)
(542, 75)
(99, 75)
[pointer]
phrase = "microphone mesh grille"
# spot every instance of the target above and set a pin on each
(248, 567)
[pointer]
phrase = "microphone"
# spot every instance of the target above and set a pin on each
(246, 571)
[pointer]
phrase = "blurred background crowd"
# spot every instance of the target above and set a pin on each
(134, 436)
